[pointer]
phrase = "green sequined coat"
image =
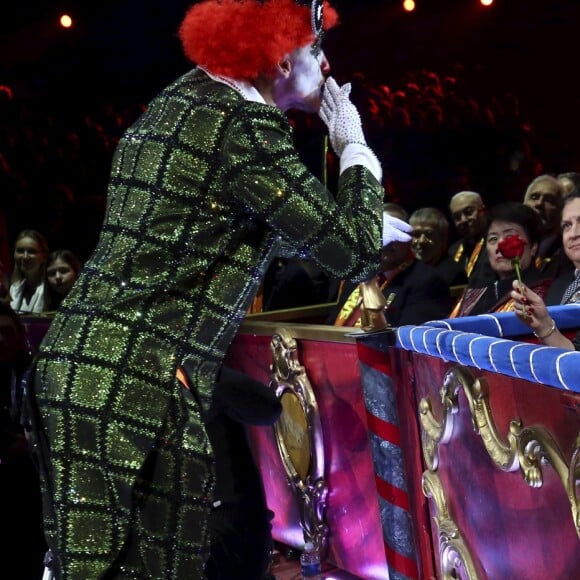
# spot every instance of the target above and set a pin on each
(203, 189)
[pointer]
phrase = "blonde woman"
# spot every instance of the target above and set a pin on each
(27, 285)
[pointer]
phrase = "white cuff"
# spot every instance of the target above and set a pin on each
(358, 154)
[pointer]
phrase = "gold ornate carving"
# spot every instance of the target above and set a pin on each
(299, 437)
(526, 448)
(503, 453)
(536, 447)
(293, 430)
(456, 561)
(373, 306)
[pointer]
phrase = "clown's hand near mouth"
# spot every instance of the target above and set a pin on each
(341, 116)
(345, 128)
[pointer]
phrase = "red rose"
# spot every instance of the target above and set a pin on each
(511, 247)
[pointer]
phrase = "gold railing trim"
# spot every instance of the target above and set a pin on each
(320, 332)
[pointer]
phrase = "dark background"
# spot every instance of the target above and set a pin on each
(134, 46)
(122, 52)
(129, 49)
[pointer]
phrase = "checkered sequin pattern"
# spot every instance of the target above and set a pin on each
(204, 188)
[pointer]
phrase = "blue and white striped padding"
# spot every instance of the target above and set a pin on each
(506, 324)
(540, 364)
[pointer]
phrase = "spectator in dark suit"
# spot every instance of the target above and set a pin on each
(567, 275)
(431, 242)
(544, 195)
(530, 307)
(468, 213)
(414, 291)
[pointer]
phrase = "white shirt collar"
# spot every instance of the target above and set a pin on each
(246, 89)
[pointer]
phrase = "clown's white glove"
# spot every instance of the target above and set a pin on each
(395, 230)
(340, 116)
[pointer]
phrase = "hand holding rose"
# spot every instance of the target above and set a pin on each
(530, 308)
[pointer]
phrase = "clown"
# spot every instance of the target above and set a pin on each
(205, 188)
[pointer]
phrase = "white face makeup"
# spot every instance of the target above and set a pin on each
(302, 88)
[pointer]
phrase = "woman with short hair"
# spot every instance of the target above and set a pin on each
(506, 219)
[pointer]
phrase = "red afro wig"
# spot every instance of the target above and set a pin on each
(244, 38)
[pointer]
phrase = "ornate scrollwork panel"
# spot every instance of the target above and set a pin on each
(528, 448)
(503, 453)
(299, 439)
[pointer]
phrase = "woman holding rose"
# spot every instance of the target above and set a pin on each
(530, 307)
(512, 238)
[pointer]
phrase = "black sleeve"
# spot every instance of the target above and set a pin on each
(428, 300)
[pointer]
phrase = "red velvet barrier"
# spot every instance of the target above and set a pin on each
(355, 541)
(507, 528)
(466, 505)
(510, 529)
